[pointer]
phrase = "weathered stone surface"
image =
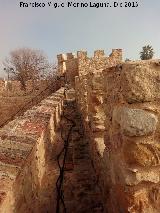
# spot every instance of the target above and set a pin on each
(136, 176)
(119, 157)
(90, 92)
(135, 122)
(120, 110)
(14, 88)
(15, 101)
(26, 150)
(141, 81)
(145, 155)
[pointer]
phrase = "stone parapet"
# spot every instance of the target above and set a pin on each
(120, 110)
(131, 106)
(26, 148)
(132, 119)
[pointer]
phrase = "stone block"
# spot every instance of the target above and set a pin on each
(97, 81)
(70, 56)
(99, 53)
(135, 122)
(141, 81)
(82, 54)
(135, 176)
(144, 155)
(61, 57)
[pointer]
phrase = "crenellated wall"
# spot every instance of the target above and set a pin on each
(90, 90)
(119, 103)
(120, 108)
(71, 65)
(28, 149)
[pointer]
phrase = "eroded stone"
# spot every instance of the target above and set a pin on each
(140, 81)
(135, 122)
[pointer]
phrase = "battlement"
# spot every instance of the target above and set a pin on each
(65, 57)
(61, 58)
(83, 54)
(120, 109)
(72, 65)
(99, 53)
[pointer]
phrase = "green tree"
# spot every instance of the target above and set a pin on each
(127, 60)
(147, 52)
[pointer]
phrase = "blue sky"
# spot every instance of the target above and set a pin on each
(68, 30)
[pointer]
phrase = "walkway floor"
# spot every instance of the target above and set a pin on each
(81, 193)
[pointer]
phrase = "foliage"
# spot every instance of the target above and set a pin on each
(147, 53)
(127, 60)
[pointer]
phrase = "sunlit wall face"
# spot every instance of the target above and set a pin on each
(70, 29)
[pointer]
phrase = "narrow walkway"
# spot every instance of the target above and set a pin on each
(81, 193)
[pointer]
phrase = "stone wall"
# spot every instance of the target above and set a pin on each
(120, 108)
(90, 90)
(131, 105)
(15, 101)
(14, 88)
(28, 168)
(119, 105)
(70, 65)
(9, 106)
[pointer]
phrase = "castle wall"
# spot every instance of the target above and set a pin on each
(28, 150)
(14, 100)
(132, 120)
(90, 97)
(68, 67)
(14, 88)
(120, 107)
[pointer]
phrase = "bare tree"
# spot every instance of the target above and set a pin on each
(26, 64)
(50, 73)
